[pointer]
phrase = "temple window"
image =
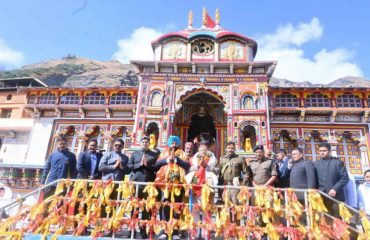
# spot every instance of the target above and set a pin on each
(47, 98)
(94, 98)
(286, 100)
(32, 99)
(349, 100)
(317, 100)
(203, 47)
(70, 98)
(156, 99)
(248, 102)
(121, 98)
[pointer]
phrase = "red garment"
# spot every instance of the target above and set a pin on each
(200, 176)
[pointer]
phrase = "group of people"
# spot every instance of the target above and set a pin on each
(200, 167)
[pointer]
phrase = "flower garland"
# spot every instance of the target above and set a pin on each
(53, 215)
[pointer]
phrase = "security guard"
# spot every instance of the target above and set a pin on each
(232, 168)
(261, 171)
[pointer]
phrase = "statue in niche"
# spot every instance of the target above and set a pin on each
(248, 145)
(152, 141)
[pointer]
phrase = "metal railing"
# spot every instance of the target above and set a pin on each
(259, 200)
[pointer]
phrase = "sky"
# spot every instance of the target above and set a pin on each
(317, 40)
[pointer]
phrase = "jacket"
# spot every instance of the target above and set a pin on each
(84, 165)
(143, 173)
(60, 164)
(332, 174)
(303, 175)
(106, 166)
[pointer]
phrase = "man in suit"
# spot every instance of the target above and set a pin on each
(332, 176)
(113, 165)
(142, 164)
(88, 162)
(302, 174)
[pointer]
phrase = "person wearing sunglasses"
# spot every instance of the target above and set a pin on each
(113, 165)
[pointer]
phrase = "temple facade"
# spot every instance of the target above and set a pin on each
(202, 81)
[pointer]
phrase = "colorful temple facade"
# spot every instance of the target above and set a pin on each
(202, 81)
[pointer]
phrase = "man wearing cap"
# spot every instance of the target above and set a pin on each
(173, 144)
(142, 164)
(261, 171)
(171, 170)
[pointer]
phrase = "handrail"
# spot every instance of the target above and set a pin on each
(159, 184)
(306, 193)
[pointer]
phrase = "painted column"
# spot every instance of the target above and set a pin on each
(333, 143)
(364, 156)
(80, 147)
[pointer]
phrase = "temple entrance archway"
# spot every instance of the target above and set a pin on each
(202, 114)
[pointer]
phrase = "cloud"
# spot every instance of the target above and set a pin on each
(9, 57)
(286, 46)
(137, 46)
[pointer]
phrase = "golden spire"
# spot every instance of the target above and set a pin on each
(190, 21)
(217, 17)
(204, 16)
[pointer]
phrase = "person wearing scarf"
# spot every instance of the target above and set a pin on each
(172, 169)
(201, 172)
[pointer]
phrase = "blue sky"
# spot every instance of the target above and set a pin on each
(328, 37)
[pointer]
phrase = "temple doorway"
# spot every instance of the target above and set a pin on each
(202, 115)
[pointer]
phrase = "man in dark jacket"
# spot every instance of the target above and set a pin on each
(302, 174)
(60, 164)
(113, 165)
(332, 176)
(88, 162)
(331, 172)
(142, 164)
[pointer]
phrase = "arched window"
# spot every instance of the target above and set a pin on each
(286, 100)
(248, 102)
(47, 98)
(121, 98)
(317, 100)
(94, 98)
(32, 99)
(70, 98)
(349, 100)
(156, 99)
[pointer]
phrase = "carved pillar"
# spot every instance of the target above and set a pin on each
(333, 141)
(364, 156)
(107, 144)
(80, 147)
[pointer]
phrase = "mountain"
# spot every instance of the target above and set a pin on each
(73, 71)
(352, 82)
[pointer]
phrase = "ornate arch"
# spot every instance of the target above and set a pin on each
(253, 123)
(218, 92)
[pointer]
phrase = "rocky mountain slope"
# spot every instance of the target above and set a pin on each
(74, 71)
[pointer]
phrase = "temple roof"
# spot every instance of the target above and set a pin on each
(216, 33)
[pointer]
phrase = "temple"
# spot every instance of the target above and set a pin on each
(202, 81)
